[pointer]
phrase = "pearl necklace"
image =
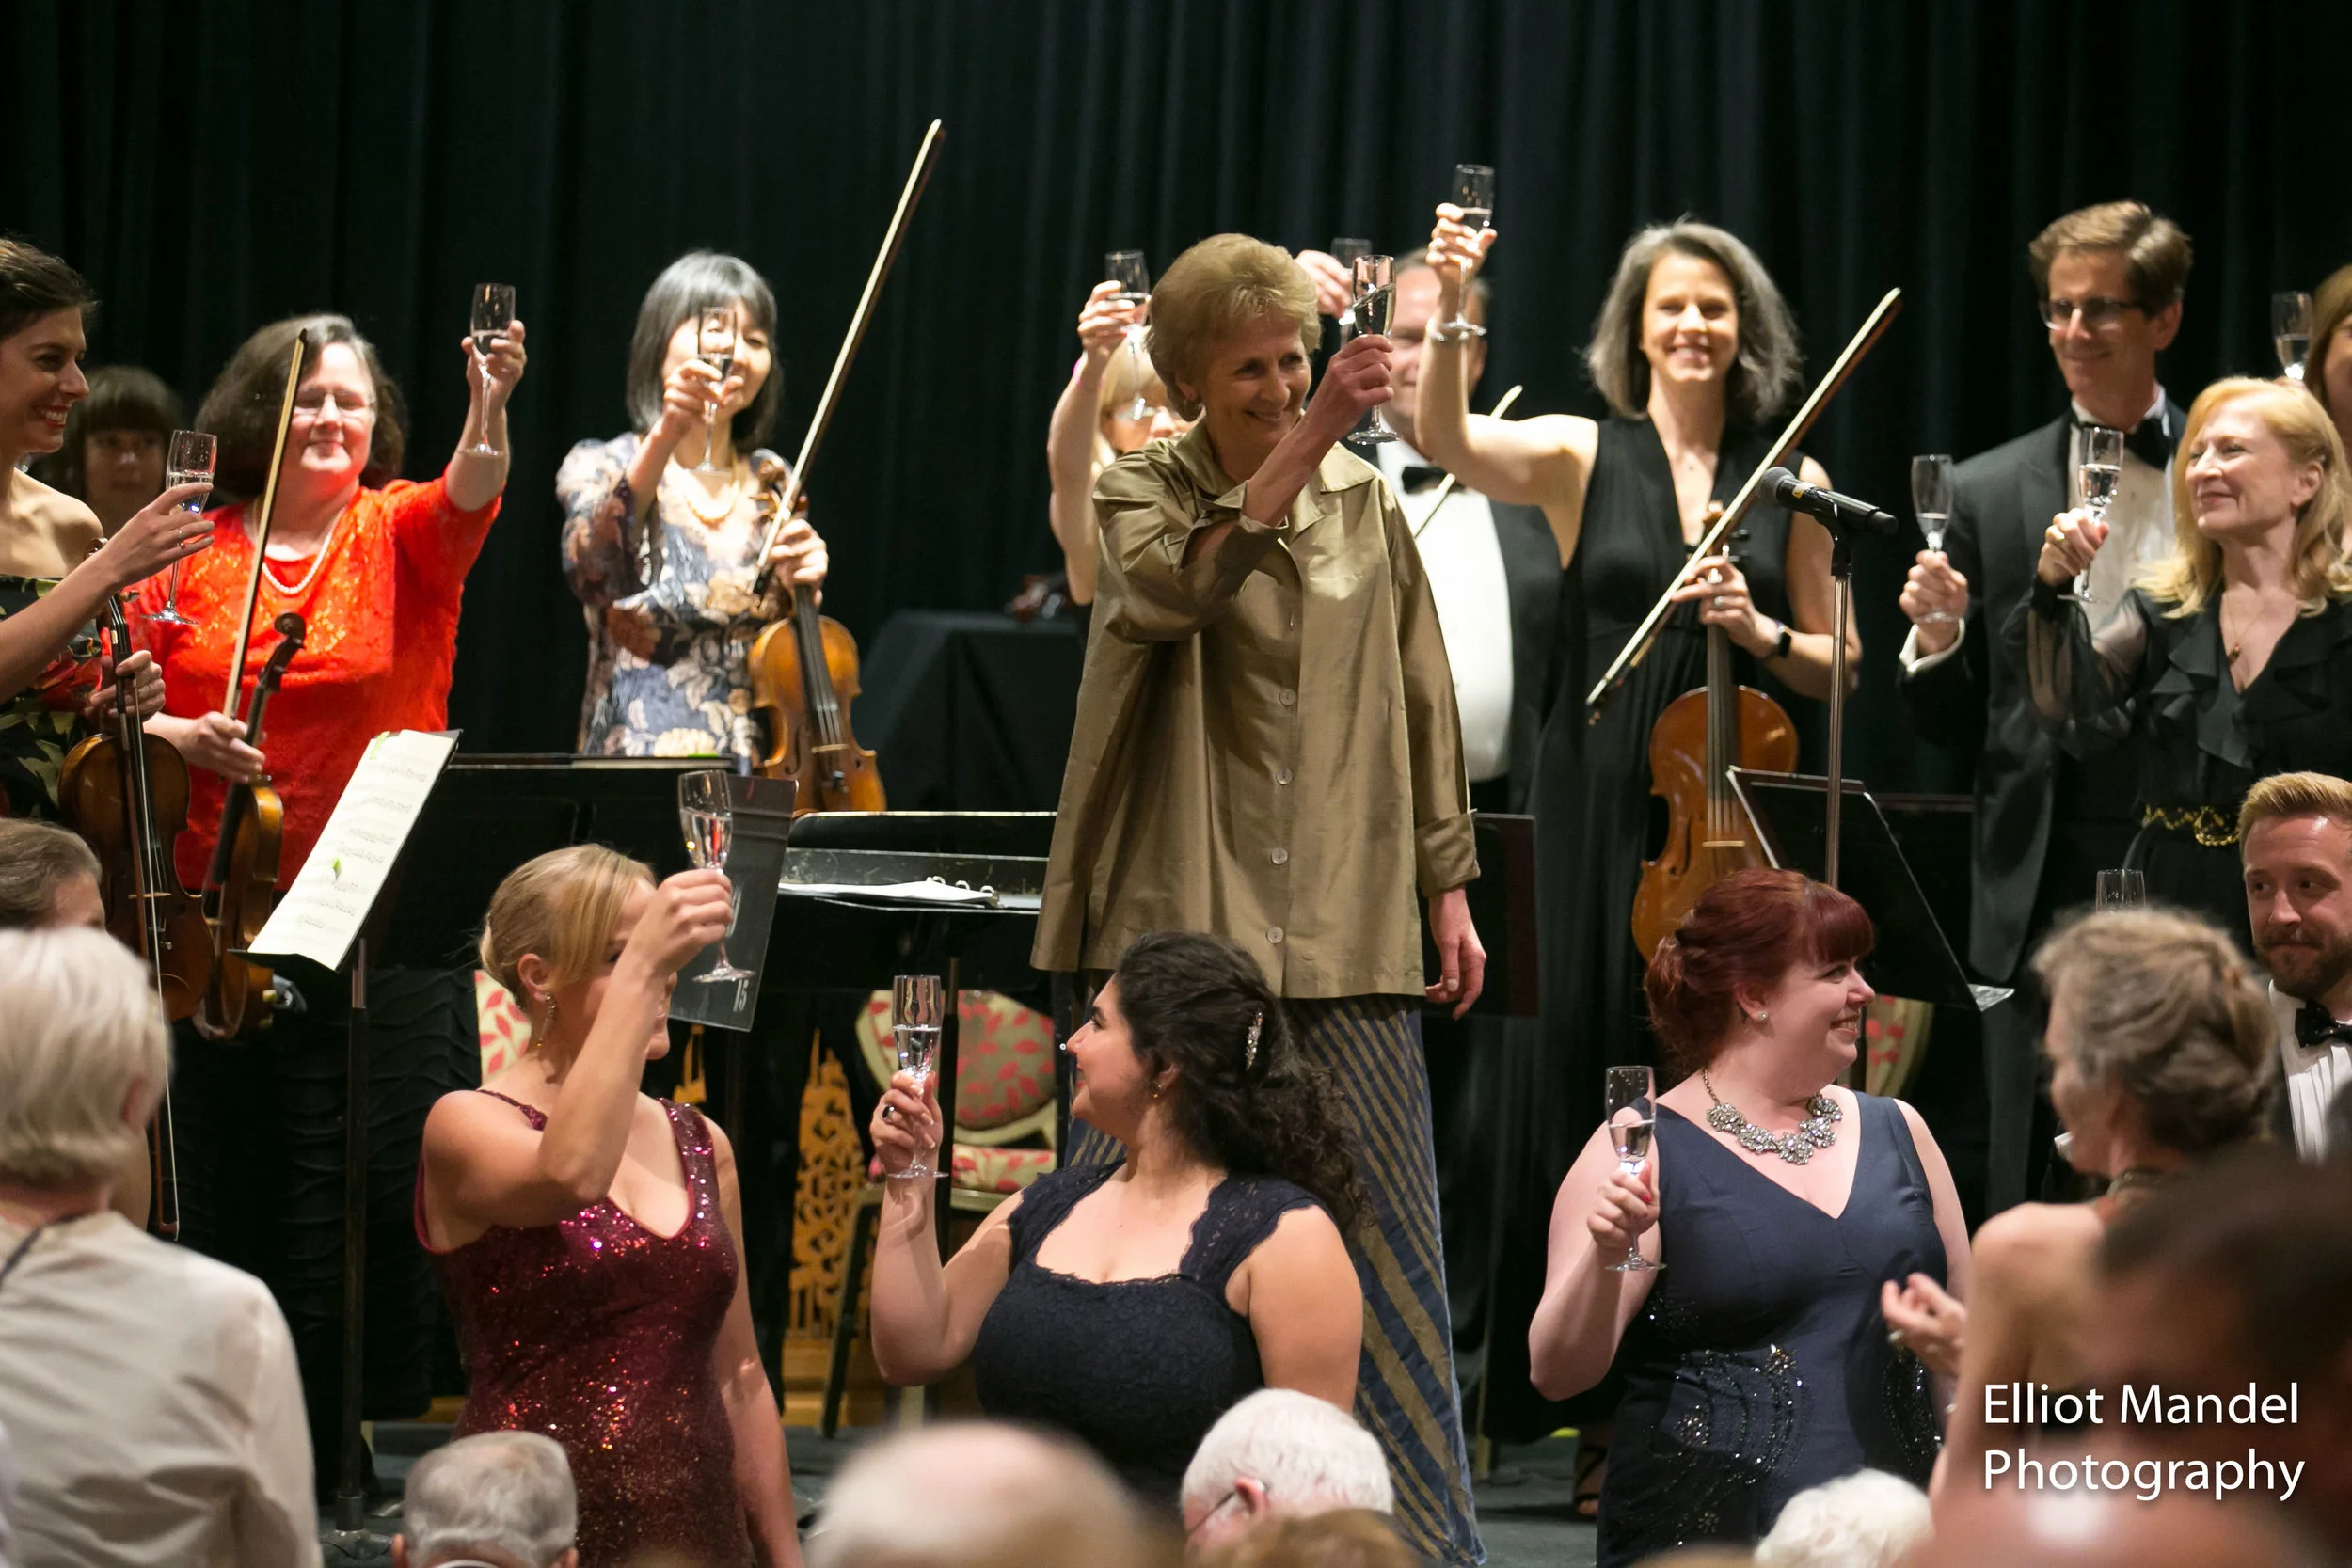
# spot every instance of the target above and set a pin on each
(1818, 1131)
(296, 590)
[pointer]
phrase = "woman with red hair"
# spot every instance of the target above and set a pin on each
(1756, 1361)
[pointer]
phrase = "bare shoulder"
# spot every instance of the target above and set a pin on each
(1813, 473)
(53, 530)
(2034, 1243)
(465, 1116)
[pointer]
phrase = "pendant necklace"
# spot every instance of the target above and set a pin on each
(1818, 1131)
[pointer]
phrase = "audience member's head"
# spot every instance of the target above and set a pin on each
(2294, 833)
(1342, 1538)
(2109, 280)
(2158, 1035)
(1187, 1042)
(48, 879)
(1281, 1453)
(83, 1058)
(1764, 957)
(1868, 1520)
(500, 1498)
(990, 1495)
(2240, 1274)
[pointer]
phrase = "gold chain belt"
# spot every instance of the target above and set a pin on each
(2209, 825)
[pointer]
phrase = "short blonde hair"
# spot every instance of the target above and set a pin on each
(84, 1034)
(2321, 554)
(2163, 1008)
(561, 906)
(1221, 285)
(2284, 795)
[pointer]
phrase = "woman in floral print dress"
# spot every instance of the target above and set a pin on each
(661, 551)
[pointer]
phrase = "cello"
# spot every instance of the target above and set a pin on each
(241, 887)
(1698, 738)
(127, 795)
(803, 667)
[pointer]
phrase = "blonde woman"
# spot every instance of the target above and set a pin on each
(2159, 1041)
(2231, 659)
(1092, 428)
(588, 1236)
(1267, 750)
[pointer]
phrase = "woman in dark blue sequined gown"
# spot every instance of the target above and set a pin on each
(1756, 1361)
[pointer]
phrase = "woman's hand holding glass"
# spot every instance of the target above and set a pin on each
(1457, 249)
(689, 912)
(2069, 545)
(1103, 323)
(906, 1125)
(157, 535)
(1355, 380)
(491, 376)
(687, 393)
(1625, 1206)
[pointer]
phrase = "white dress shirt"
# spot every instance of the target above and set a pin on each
(2139, 531)
(1463, 559)
(153, 1403)
(2314, 1077)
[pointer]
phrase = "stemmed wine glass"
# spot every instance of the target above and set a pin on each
(2121, 890)
(916, 1006)
(2098, 470)
(493, 314)
(714, 345)
(2290, 331)
(1931, 502)
(1376, 303)
(708, 819)
(1127, 268)
(1474, 193)
(1633, 1109)
(1345, 250)
(188, 460)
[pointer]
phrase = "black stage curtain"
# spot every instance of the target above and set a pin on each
(216, 164)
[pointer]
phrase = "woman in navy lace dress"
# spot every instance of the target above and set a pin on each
(1756, 1359)
(1131, 1305)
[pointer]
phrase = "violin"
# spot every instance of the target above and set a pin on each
(1696, 741)
(805, 666)
(127, 795)
(242, 886)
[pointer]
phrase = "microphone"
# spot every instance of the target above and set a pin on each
(1832, 509)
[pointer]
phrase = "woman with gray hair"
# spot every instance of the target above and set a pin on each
(150, 1393)
(1696, 352)
(503, 1498)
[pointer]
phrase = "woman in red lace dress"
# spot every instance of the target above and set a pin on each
(588, 1236)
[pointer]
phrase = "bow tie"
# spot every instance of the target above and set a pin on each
(1419, 477)
(2149, 441)
(2316, 1027)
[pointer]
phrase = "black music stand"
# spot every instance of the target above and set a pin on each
(1912, 959)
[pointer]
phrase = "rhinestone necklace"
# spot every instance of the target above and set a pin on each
(1818, 1131)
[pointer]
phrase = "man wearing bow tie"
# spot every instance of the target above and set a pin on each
(2294, 833)
(2109, 283)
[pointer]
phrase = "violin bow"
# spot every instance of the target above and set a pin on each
(924, 157)
(1502, 406)
(1645, 634)
(260, 530)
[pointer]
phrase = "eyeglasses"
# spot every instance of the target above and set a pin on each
(311, 404)
(2098, 313)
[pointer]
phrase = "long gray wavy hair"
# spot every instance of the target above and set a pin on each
(1765, 374)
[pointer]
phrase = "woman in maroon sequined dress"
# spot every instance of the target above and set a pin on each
(587, 1234)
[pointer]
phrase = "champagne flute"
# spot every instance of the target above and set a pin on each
(1931, 502)
(708, 819)
(2121, 890)
(2098, 470)
(1474, 193)
(493, 314)
(917, 1007)
(2290, 331)
(1344, 249)
(1633, 1109)
(1127, 268)
(1376, 303)
(188, 460)
(714, 345)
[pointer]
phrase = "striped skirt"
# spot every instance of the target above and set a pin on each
(1406, 1394)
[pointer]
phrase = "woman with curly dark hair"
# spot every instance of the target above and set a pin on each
(1131, 1305)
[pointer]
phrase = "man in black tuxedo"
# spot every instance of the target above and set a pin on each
(2109, 279)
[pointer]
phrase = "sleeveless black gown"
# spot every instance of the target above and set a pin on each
(1760, 1365)
(1595, 822)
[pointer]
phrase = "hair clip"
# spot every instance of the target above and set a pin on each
(1250, 1046)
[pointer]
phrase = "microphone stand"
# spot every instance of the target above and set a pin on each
(1841, 618)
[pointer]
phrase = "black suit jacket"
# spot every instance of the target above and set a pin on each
(1531, 575)
(2002, 501)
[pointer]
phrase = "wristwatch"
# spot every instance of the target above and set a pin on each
(1780, 647)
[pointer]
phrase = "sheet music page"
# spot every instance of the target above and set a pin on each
(320, 916)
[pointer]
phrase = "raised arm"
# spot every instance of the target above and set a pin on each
(1585, 1306)
(926, 1316)
(1540, 462)
(1074, 430)
(477, 470)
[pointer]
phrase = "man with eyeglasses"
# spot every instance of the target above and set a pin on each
(2110, 281)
